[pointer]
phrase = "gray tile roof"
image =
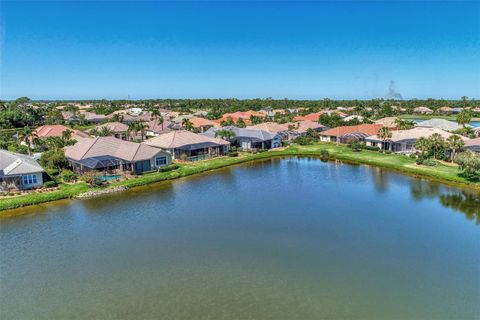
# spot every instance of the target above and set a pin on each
(251, 133)
(12, 164)
(440, 124)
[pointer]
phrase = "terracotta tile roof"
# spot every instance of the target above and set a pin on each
(245, 115)
(182, 138)
(110, 146)
(201, 122)
(56, 130)
(368, 129)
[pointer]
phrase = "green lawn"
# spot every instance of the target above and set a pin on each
(441, 172)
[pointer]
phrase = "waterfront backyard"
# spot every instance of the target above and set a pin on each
(446, 173)
(283, 238)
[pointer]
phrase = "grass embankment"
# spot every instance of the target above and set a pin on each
(441, 172)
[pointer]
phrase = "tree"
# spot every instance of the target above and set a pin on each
(454, 143)
(437, 143)
(187, 124)
(403, 124)
(464, 117)
(54, 159)
(464, 99)
(28, 136)
(384, 134)
(469, 163)
(423, 144)
(225, 134)
(241, 123)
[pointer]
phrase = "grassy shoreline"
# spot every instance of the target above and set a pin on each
(429, 116)
(441, 173)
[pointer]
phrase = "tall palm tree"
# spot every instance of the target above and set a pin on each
(437, 142)
(384, 134)
(27, 136)
(454, 143)
(464, 117)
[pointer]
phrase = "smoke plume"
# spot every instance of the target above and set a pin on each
(392, 92)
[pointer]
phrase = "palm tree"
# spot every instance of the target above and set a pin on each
(464, 99)
(187, 124)
(404, 124)
(454, 143)
(105, 132)
(464, 117)
(27, 136)
(437, 142)
(225, 134)
(384, 134)
(132, 127)
(423, 144)
(141, 127)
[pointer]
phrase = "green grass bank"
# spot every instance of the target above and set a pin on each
(443, 173)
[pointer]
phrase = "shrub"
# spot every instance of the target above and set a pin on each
(324, 155)
(68, 175)
(49, 184)
(469, 163)
(412, 156)
(233, 154)
(356, 146)
(371, 148)
(170, 167)
(429, 162)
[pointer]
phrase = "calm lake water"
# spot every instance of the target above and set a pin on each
(280, 239)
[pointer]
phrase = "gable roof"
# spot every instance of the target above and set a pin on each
(110, 146)
(183, 138)
(366, 129)
(12, 163)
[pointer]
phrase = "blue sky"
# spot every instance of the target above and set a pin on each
(299, 50)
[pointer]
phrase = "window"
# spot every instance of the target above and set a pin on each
(160, 161)
(29, 179)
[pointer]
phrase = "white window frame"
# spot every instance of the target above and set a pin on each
(161, 158)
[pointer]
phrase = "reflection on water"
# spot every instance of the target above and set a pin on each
(278, 239)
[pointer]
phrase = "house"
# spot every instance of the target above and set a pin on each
(309, 117)
(201, 124)
(457, 110)
(186, 145)
(344, 133)
(249, 139)
(353, 117)
(19, 171)
(423, 110)
(57, 130)
(91, 117)
(473, 144)
(119, 130)
(244, 115)
(389, 122)
(440, 124)
(403, 141)
(445, 110)
(114, 155)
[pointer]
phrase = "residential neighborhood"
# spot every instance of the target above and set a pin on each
(133, 139)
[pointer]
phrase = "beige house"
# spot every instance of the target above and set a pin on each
(119, 130)
(403, 141)
(110, 154)
(186, 145)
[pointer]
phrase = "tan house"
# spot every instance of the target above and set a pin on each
(119, 130)
(110, 154)
(344, 133)
(186, 145)
(389, 122)
(403, 141)
(423, 110)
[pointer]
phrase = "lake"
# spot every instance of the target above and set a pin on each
(292, 238)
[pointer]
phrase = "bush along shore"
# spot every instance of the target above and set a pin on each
(444, 173)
